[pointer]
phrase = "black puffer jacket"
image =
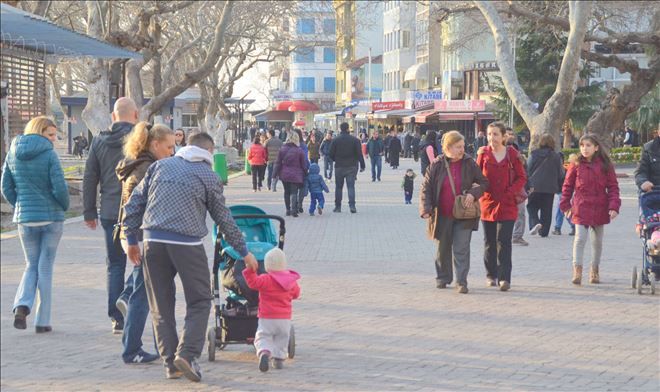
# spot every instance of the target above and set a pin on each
(648, 168)
(545, 171)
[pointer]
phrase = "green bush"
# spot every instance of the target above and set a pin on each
(618, 155)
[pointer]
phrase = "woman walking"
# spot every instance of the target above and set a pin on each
(143, 146)
(590, 198)
(180, 139)
(452, 174)
(257, 157)
(504, 170)
(33, 183)
(545, 172)
(427, 151)
(313, 148)
(302, 191)
(291, 168)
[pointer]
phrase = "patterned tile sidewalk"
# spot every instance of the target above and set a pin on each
(370, 317)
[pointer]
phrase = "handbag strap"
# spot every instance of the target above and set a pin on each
(451, 179)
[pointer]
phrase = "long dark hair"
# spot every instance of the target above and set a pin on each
(600, 153)
(431, 137)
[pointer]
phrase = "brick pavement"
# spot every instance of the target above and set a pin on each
(370, 317)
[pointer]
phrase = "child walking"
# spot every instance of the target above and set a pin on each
(277, 288)
(408, 184)
(590, 198)
(316, 186)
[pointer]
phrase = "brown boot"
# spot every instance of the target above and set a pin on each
(593, 275)
(577, 274)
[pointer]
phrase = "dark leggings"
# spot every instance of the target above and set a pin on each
(540, 202)
(291, 195)
(497, 249)
(258, 173)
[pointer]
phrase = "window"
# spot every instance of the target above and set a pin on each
(398, 39)
(189, 121)
(303, 85)
(303, 55)
(406, 39)
(329, 85)
(305, 26)
(329, 26)
(328, 55)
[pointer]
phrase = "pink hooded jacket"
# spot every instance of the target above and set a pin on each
(276, 291)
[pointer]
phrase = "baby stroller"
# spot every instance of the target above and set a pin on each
(236, 319)
(649, 206)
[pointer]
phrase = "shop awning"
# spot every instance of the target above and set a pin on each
(417, 71)
(303, 106)
(394, 113)
(421, 117)
(275, 115)
(299, 123)
(284, 105)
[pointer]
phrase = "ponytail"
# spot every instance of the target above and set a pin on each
(141, 136)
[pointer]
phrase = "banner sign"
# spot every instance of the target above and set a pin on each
(474, 105)
(393, 105)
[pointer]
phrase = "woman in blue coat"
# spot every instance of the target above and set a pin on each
(33, 183)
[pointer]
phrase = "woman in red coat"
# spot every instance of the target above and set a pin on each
(505, 172)
(257, 157)
(590, 197)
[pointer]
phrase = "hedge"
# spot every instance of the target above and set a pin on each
(618, 155)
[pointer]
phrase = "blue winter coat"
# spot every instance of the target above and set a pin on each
(33, 181)
(314, 181)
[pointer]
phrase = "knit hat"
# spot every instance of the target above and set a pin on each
(275, 260)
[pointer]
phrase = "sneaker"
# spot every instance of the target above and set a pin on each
(254, 190)
(294, 214)
(519, 241)
(117, 327)
(173, 373)
(319, 210)
(504, 285)
(373, 180)
(440, 284)
(44, 329)
(556, 231)
(572, 232)
(278, 363)
(122, 306)
(190, 368)
(353, 210)
(311, 213)
(337, 209)
(20, 315)
(490, 282)
(535, 230)
(142, 357)
(462, 289)
(264, 357)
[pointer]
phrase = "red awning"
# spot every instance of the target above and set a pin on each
(284, 105)
(456, 116)
(421, 117)
(303, 106)
(299, 123)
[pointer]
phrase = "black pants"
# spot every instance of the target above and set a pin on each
(348, 174)
(291, 196)
(540, 202)
(497, 249)
(258, 173)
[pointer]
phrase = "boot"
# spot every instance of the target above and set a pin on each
(577, 274)
(594, 278)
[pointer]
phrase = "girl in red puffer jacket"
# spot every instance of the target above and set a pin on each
(590, 198)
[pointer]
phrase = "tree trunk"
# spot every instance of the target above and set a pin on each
(568, 135)
(96, 114)
(134, 82)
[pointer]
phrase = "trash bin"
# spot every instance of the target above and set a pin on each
(248, 168)
(220, 166)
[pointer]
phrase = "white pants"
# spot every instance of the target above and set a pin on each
(273, 336)
(596, 234)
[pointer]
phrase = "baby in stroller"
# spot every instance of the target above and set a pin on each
(654, 242)
(277, 288)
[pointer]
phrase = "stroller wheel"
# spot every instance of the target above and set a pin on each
(640, 281)
(652, 281)
(634, 277)
(292, 343)
(211, 337)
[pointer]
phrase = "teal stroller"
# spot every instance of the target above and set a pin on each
(236, 318)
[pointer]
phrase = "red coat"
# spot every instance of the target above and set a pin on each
(498, 202)
(276, 291)
(589, 193)
(257, 155)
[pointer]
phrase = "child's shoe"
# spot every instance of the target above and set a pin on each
(594, 277)
(311, 213)
(278, 363)
(319, 210)
(577, 275)
(264, 357)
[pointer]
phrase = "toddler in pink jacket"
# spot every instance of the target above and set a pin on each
(277, 288)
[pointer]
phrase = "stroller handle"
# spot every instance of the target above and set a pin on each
(280, 237)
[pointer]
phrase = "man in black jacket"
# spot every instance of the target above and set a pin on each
(346, 153)
(647, 174)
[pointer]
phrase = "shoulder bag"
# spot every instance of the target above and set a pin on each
(459, 211)
(521, 195)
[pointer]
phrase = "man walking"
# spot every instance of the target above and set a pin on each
(273, 145)
(346, 152)
(325, 152)
(104, 155)
(170, 205)
(375, 150)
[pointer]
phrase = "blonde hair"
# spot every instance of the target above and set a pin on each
(450, 138)
(142, 135)
(292, 137)
(38, 125)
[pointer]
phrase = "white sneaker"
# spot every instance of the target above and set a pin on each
(535, 230)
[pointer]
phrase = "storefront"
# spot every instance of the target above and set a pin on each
(465, 116)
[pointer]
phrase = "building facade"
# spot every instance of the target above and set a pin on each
(398, 47)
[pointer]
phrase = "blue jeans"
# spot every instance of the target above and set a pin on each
(376, 163)
(327, 167)
(116, 268)
(271, 181)
(316, 197)
(138, 310)
(39, 246)
(408, 196)
(559, 216)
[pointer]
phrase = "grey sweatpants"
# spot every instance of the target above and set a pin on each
(273, 336)
(453, 251)
(162, 262)
(519, 226)
(596, 233)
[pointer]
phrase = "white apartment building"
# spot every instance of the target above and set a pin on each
(398, 47)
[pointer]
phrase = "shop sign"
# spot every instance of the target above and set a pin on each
(282, 97)
(392, 105)
(474, 105)
(419, 99)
